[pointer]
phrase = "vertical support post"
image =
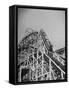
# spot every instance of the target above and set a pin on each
(37, 67)
(42, 67)
(29, 74)
(50, 68)
(36, 75)
(62, 75)
(20, 75)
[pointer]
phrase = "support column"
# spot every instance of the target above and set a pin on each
(62, 75)
(50, 68)
(19, 79)
(37, 67)
(29, 74)
(42, 67)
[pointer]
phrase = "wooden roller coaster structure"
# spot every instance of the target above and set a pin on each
(37, 61)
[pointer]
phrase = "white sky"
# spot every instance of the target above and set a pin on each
(51, 21)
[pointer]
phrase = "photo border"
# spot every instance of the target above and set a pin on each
(16, 42)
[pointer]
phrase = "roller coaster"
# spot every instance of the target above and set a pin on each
(36, 59)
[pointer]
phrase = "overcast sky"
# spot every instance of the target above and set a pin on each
(51, 21)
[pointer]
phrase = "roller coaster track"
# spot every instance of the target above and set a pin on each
(51, 54)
